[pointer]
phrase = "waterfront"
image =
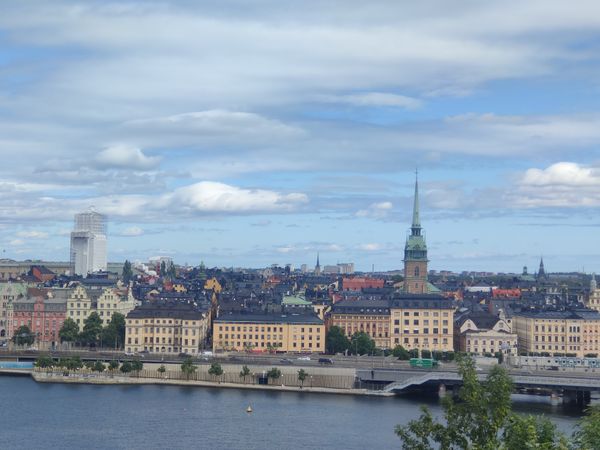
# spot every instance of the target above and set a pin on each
(37, 415)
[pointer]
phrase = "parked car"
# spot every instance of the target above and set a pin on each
(303, 358)
(325, 361)
(286, 361)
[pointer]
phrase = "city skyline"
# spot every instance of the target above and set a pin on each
(278, 133)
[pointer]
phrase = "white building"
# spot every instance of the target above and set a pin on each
(88, 243)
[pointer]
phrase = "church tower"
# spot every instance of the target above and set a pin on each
(318, 266)
(415, 253)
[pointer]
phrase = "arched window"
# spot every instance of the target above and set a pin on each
(416, 271)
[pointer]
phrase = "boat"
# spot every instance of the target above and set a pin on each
(249, 409)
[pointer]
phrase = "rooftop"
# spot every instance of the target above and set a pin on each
(270, 318)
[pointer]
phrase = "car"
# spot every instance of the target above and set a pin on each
(207, 353)
(185, 355)
(303, 358)
(325, 361)
(127, 354)
(286, 361)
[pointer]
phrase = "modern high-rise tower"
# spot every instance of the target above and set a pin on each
(88, 243)
(415, 253)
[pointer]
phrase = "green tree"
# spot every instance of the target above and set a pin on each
(473, 421)
(23, 336)
(127, 272)
(126, 367)
(215, 370)
(244, 372)
(163, 269)
(532, 432)
(113, 365)
(99, 366)
(361, 344)
(401, 353)
(69, 332)
(162, 369)
(188, 367)
(587, 436)
(274, 373)
(114, 333)
(336, 341)
(302, 375)
(92, 327)
(171, 271)
(89, 365)
(137, 366)
(44, 361)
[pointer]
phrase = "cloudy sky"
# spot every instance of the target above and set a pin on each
(245, 134)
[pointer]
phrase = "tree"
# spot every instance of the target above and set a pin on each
(401, 353)
(361, 344)
(99, 366)
(127, 272)
(92, 327)
(23, 336)
(188, 367)
(44, 361)
(302, 374)
(137, 366)
(336, 341)
(113, 365)
(89, 365)
(114, 332)
(474, 421)
(171, 271)
(244, 372)
(215, 370)
(126, 367)
(587, 435)
(523, 432)
(163, 269)
(274, 373)
(162, 369)
(69, 332)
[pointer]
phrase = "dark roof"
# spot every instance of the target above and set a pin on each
(421, 301)
(180, 311)
(270, 318)
(376, 307)
(576, 314)
(482, 320)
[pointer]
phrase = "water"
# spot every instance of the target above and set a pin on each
(35, 415)
(15, 365)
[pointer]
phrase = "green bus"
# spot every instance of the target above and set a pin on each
(426, 363)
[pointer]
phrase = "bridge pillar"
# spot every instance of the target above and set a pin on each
(555, 398)
(442, 390)
(569, 396)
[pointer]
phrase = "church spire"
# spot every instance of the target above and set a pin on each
(416, 220)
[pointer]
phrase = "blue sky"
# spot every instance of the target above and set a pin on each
(249, 135)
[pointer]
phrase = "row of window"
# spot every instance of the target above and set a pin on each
(425, 341)
(422, 331)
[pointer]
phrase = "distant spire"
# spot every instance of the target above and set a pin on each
(318, 265)
(593, 284)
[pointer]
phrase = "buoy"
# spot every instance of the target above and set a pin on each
(249, 409)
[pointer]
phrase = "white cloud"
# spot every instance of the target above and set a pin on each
(126, 157)
(563, 174)
(32, 234)
(370, 247)
(17, 242)
(132, 231)
(375, 99)
(376, 210)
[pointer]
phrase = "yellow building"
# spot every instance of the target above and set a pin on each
(369, 316)
(82, 302)
(594, 297)
(212, 284)
(423, 322)
(165, 327)
(264, 332)
(482, 332)
(573, 332)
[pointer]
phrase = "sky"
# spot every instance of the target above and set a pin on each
(254, 133)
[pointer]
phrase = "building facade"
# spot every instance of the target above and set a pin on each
(368, 316)
(573, 332)
(594, 295)
(88, 243)
(266, 332)
(82, 302)
(424, 322)
(484, 333)
(164, 327)
(9, 292)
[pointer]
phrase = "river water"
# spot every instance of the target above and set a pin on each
(49, 416)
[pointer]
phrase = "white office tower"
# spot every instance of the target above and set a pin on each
(88, 243)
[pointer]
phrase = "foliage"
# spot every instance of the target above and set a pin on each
(127, 272)
(274, 373)
(162, 369)
(126, 367)
(44, 361)
(137, 365)
(23, 336)
(302, 374)
(244, 372)
(89, 365)
(114, 332)
(163, 269)
(474, 421)
(587, 436)
(536, 432)
(92, 327)
(401, 353)
(500, 357)
(426, 354)
(361, 344)
(69, 332)
(188, 367)
(113, 365)
(215, 369)
(99, 366)
(336, 341)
